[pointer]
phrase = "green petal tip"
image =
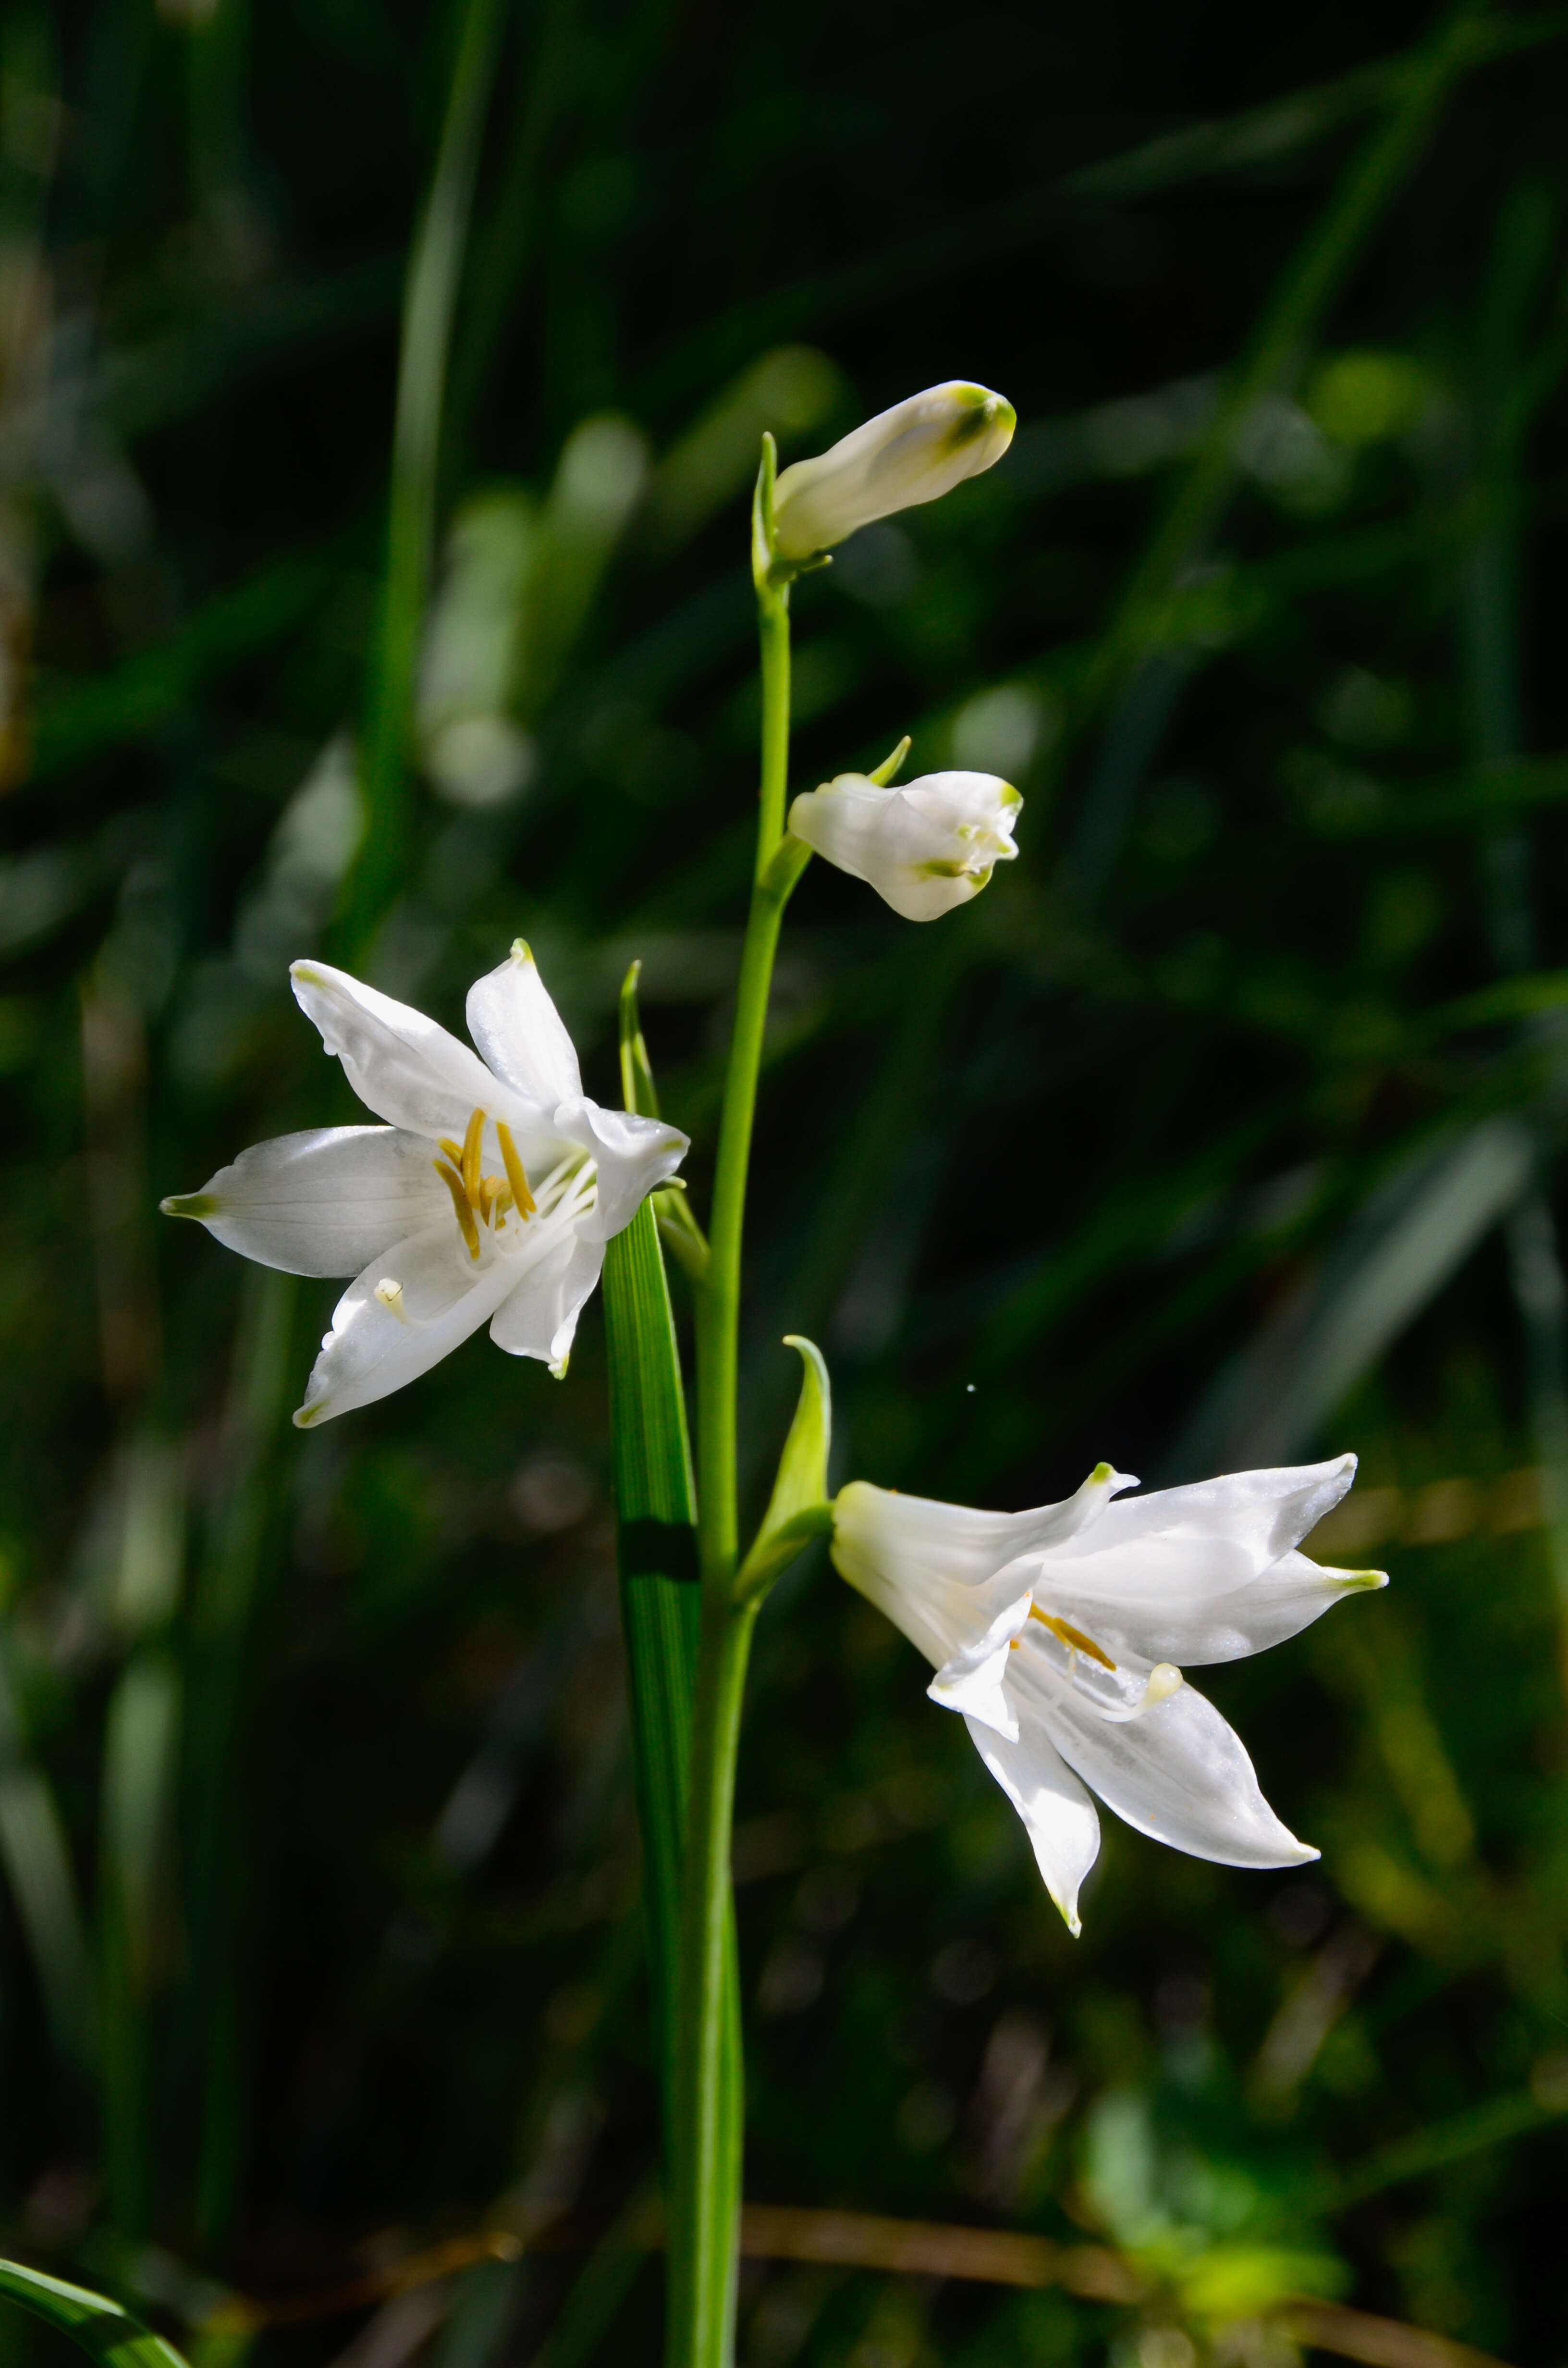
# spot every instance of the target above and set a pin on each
(200, 1205)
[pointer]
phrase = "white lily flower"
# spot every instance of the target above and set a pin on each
(1058, 1633)
(915, 453)
(925, 848)
(487, 1197)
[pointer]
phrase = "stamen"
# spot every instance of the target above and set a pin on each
(390, 1293)
(471, 1143)
(1070, 1635)
(517, 1174)
(454, 1151)
(460, 1203)
(492, 1191)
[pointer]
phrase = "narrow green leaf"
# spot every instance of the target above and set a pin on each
(883, 773)
(99, 2325)
(797, 1510)
(638, 1090)
(659, 1603)
(678, 1229)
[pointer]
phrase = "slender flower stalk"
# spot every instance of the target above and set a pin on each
(705, 2198)
(911, 454)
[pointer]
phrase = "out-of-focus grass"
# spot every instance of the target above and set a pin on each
(1226, 1127)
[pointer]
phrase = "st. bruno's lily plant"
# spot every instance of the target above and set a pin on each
(492, 1190)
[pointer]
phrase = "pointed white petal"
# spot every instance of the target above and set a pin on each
(1262, 1514)
(540, 1317)
(1057, 1812)
(1201, 1573)
(520, 1034)
(1177, 1772)
(320, 1203)
(634, 1156)
(401, 1065)
(408, 1309)
(1184, 1600)
(975, 1679)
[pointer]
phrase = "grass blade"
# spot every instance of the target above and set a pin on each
(99, 2325)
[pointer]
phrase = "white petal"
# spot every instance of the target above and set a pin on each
(540, 1317)
(975, 1679)
(943, 1573)
(520, 1033)
(322, 1202)
(401, 1065)
(1264, 1514)
(442, 1295)
(1180, 1600)
(1202, 1574)
(633, 1154)
(931, 1569)
(1177, 1772)
(1056, 1810)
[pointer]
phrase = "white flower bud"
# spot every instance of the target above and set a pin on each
(920, 448)
(924, 849)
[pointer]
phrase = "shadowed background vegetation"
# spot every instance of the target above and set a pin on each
(1223, 1130)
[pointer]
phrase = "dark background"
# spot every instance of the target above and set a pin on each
(1223, 1130)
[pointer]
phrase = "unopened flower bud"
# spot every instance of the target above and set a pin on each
(920, 448)
(924, 849)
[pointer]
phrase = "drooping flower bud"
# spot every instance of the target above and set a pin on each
(922, 447)
(924, 849)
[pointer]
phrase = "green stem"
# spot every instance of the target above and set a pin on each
(705, 2198)
(430, 296)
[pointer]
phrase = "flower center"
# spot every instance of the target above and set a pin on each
(484, 1199)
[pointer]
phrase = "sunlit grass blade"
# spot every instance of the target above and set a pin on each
(99, 2325)
(1393, 1257)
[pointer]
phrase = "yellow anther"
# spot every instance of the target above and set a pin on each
(517, 1174)
(493, 1191)
(454, 1184)
(1070, 1635)
(454, 1151)
(470, 1163)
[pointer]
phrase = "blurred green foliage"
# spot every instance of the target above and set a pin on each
(1224, 1128)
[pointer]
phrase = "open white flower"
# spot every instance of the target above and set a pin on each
(925, 848)
(918, 451)
(488, 1197)
(1057, 1632)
